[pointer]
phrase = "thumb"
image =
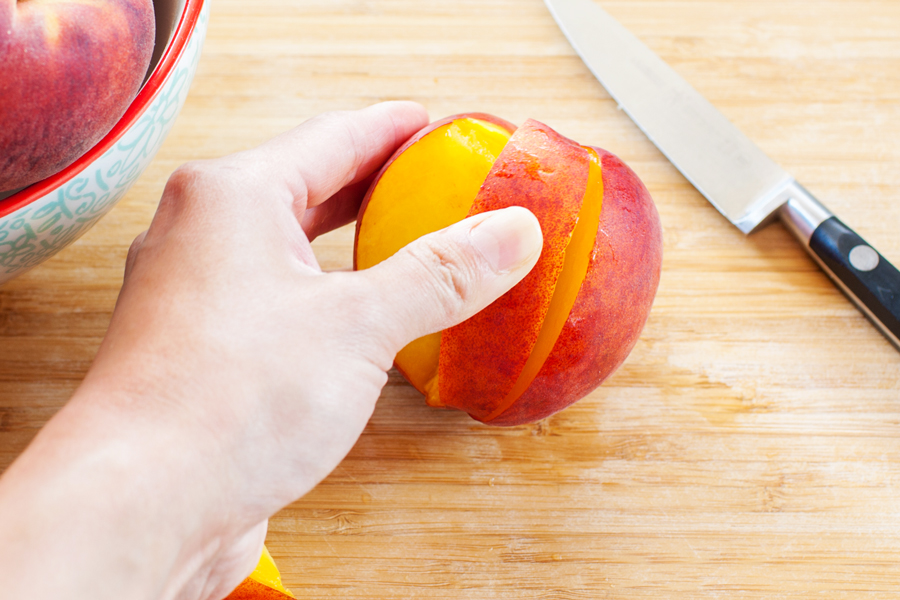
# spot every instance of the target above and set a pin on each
(445, 277)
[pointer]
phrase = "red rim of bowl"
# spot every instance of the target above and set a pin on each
(145, 96)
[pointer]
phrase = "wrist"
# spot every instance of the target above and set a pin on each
(103, 498)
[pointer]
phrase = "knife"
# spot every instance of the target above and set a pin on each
(733, 173)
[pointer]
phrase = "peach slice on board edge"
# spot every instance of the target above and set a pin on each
(263, 584)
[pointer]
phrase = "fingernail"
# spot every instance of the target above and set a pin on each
(508, 238)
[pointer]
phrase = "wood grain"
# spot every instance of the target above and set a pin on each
(749, 447)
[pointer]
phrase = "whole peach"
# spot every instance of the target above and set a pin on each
(68, 71)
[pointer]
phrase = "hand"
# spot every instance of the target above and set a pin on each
(235, 375)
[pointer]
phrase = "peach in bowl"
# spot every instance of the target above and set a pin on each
(78, 185)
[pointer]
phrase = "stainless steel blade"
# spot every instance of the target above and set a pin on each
(734, 174)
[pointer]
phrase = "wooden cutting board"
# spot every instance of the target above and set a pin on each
(749, 447)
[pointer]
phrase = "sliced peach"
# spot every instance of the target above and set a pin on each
(482, 358)
(263, 584)
(570, 322)
(612, 305)
(568, 285)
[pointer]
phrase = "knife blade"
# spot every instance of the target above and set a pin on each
(733, 173)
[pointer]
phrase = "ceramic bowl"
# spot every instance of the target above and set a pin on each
(40, 220)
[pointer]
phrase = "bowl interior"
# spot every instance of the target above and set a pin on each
(168, 14)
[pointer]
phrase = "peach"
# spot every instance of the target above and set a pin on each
(573, 320)
(68, 71)
(263, 584)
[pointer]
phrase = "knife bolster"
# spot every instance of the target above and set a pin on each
(802, 213)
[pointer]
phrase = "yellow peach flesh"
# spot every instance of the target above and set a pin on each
(412, 199)
(267, 573)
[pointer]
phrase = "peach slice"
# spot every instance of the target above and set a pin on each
(548, 174)
(612, 305)
(263, 584)
(438, 195)
(570, 322)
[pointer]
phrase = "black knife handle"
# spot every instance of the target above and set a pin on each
(866, 277)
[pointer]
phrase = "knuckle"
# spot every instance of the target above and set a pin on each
(187, 176)
(187, 180)
(342, 125)
(452, 274)
(183, 184)
(133, 250)
(137, 242)
(135, 247)
(190, 189)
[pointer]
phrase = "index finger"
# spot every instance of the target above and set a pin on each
(337, 149)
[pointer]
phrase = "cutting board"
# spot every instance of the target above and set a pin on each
(748, 448)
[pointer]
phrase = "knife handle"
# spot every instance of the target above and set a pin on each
(864, 275)
(870, 281)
